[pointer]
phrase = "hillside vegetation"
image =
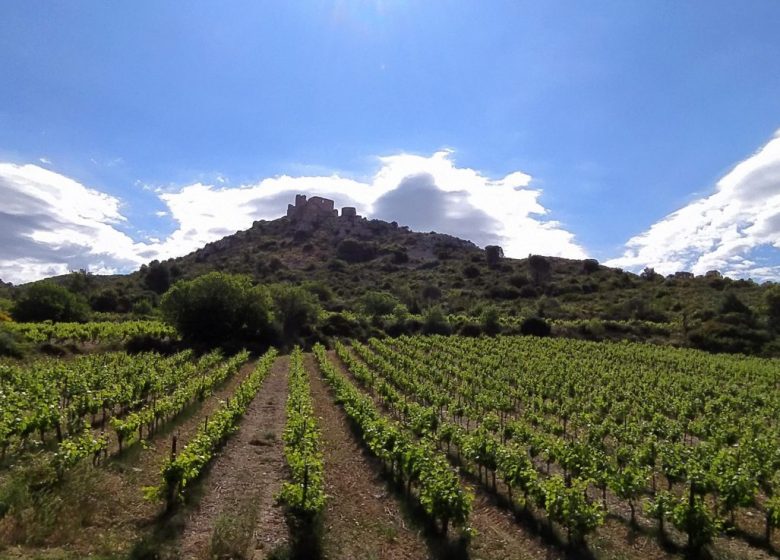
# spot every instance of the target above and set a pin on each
(351, 263)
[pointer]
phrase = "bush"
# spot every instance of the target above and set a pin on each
(354, 251)
(341, 325)
(11, 344)
(535, 326)
(46, 301)
(158, 277)
(589, 266)
(518, 280)
(296, 310)
(470, 271)
(218, 307)
(490, 321)
(470, 329)
(435, 322)
(377, 304)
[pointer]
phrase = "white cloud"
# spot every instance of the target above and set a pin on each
(720, 231)
(50, 224)
(55, 224)
(206, 212)
(45, 161)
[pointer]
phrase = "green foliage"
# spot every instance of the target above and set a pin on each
(157, 277)
(435, 322)
(376, 304)
(180, 471)
(540, 268)
(535, 326)
(772, 301)
(568, 506)
(692, 516)
(414, 462)
(46, 301)
(356, 251)
(218, 307)
(305, 494)
(732, 304)
(296, 310)
(490, 321)
(12, 344)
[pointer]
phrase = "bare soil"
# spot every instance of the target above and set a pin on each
(362, 518)
(245, 478)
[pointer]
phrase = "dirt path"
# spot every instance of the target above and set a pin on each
(237, 513)
(362, 520)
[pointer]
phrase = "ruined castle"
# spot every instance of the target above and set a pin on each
(316, 209)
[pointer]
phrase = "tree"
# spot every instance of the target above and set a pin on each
(589, 266)
(435, 322)
(491, 324)
(355, 251)
(79, 281)
(493, 255)
(732, 304)
(158, 277)
(46, 301)
(535, 326)
(649, 274)
(296, 309)
(540, 268)
(377, 304)
(772, 300)
(218, 307)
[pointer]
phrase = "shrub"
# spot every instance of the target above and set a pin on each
(296, 310)
(46, 301)
(518, 280)
(535, 326)
(354, 251)
(470, 329)
(158, 277)
(218, 307)
(490, 321)
(378, 303)
(590, 266)
(435, 322)
(11, 344)
(470, 271)
(493, 255)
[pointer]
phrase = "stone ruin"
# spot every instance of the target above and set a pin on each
(315, 209)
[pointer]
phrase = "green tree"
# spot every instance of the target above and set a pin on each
(218, 307)
(296, 309)
(491, 321)
(435, 322)
(772, 300)
(158, 277)
(377, 304)
(44, 301)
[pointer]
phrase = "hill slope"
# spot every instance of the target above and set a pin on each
(342, 257)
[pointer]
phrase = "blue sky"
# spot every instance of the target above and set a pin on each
(611, 129)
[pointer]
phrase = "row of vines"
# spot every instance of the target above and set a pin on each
(675, 435)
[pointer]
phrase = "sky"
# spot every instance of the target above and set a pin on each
(637, 133)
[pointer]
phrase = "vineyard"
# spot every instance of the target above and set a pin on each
(414, 447)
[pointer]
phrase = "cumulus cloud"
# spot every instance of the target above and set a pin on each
(427, 193)
(53, 224)
(50, 224)
(722, 231)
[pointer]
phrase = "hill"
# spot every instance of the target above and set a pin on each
(343, 256)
